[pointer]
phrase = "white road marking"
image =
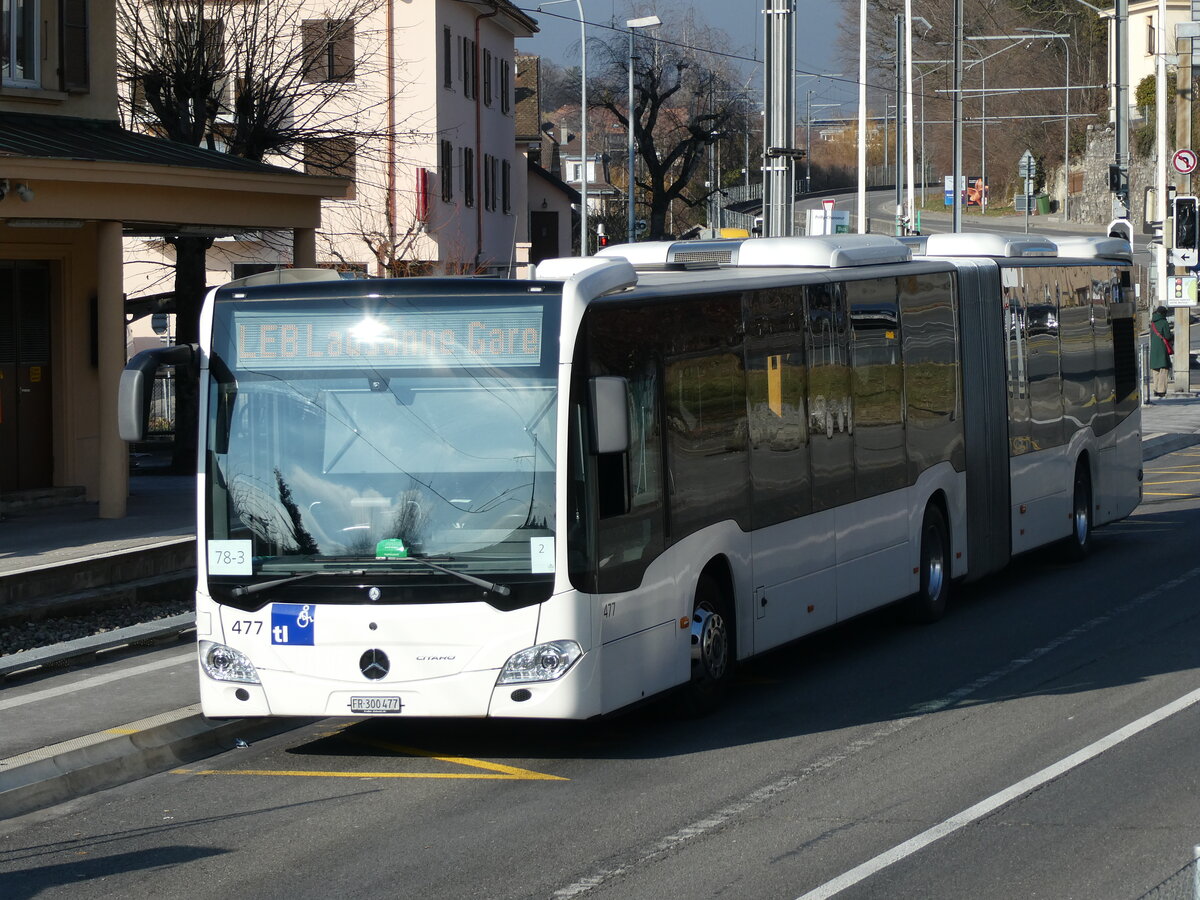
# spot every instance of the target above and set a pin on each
(98, 680)
(994, 802)
(639, 857)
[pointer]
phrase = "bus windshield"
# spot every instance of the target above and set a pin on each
(369, 433)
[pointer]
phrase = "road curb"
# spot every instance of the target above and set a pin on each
(123, 754)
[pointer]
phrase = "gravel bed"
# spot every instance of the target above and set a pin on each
(46, 632)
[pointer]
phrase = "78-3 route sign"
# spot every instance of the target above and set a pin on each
(1184, 162)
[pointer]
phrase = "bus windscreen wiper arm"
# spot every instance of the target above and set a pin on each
(243, 590)
(501, 589)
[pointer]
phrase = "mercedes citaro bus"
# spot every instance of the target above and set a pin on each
(556, 497)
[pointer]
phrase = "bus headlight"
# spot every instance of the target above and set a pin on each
(223, 663)
(545, 662)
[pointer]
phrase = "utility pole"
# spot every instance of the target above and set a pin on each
(1183, 130)
(956, 104)
(899, 121)
(779, 53)
(1120, 197)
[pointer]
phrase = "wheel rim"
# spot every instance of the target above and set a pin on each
(1081, 513)
(710, 643)
(935, 563)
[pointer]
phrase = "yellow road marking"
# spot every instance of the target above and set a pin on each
(521, 774)
(495, 771)
(508, 771)
(1179, 481)
(1166, 494)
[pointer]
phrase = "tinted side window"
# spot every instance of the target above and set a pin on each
(829, 396)
(777, 389)
(705, 405)
(933, 398)
(877, 383)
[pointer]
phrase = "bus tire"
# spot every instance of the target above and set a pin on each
(928, 604)
(712, 648)
(1076, 547)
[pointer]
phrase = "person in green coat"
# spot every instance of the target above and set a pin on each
(1162, 333)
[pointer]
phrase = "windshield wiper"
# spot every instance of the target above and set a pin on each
(501, 589)
(242, 590)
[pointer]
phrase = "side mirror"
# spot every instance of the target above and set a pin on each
(137, 386)
(610, 414)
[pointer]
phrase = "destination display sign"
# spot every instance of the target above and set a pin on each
(337, 339)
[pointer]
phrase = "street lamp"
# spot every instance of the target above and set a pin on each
(1019, 40)
(631, 24)
(938, 64)
(1038, 32)
(583, 169)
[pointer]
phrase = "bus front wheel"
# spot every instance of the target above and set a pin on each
(928, 604)
(712, 649)
(1080, 541)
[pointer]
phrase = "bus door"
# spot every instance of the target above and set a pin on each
(794, 587)
(26, 425)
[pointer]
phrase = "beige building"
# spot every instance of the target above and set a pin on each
(439, 184)
(72, 185)
(1147, 36)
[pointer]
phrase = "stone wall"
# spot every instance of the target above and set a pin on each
(1094, 205)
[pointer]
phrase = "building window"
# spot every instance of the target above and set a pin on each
(505, 86)
(19, 27)
(331, 156)
(447, 59)
(76, 65)
(468, 159)
(446, 170)
(506, 186)
(489, 182)
(469, 69)
(494, 168)
(1150, 35)
(487, 77)
(328, 49)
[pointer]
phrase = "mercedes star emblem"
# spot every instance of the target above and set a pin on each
(374, 664)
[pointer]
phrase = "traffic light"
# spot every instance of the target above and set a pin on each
(1116, 179)
(1186, 251)
(601, 237)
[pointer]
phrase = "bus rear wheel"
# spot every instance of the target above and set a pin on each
(712, 648)
(928, 604)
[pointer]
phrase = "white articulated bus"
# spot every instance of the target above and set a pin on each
(557, 497)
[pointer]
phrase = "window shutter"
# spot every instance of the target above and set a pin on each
(341, 34)
(313, 33)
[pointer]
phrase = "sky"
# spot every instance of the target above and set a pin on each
(741, 20)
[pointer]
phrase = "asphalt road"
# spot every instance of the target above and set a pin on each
(1025, 746)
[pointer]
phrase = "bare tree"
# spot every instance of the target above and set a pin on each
(684, 102)
(1018, 118)
(268, 82)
